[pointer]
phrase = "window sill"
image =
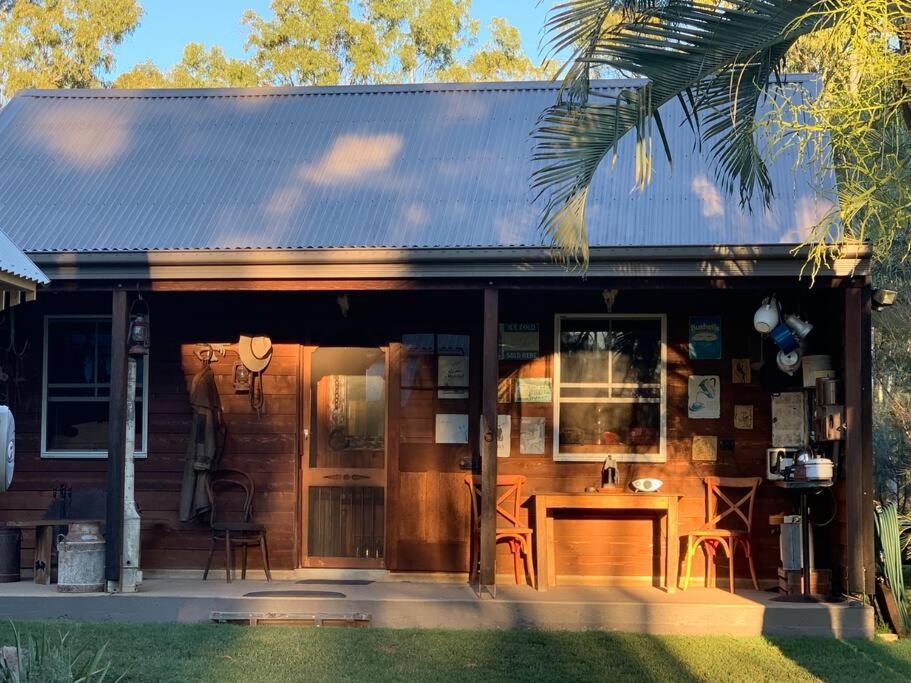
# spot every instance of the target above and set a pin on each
(618, 457)
(83, 455)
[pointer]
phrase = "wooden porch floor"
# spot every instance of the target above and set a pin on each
(421, 604)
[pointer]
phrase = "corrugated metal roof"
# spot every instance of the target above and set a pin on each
(419, 166)
(14, 262)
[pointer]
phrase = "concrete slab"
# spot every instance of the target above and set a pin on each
(420, 604)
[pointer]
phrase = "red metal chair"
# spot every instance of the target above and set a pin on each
(234, 525)
(509, 493)
(711, 536)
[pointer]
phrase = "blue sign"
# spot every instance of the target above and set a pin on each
(705, 337)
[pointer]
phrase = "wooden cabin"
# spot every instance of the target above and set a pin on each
(384, 240)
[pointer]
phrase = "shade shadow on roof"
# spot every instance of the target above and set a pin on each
(415, 167)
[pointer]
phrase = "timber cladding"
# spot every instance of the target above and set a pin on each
(427, 501)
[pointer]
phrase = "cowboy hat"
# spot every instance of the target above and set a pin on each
(255, 352)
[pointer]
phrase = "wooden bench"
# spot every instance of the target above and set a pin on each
(44, 542)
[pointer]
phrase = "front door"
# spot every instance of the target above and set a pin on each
(344, 457)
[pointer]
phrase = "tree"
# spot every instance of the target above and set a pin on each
(326, 42)
(198, 68)
(330, 42)
(421, 37)
(719, 60)
(892, 385)
(501, 59)
(61, 43)
(312, 42)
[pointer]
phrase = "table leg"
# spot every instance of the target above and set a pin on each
(551, 551)
(661, 520)
(805, 541)
(541, 544)
(44, 543)
(673, 547)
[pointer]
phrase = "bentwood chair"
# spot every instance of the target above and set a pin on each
(731, 499)
(509, 496)
(231, 521)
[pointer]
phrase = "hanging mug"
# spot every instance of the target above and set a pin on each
(784, 338)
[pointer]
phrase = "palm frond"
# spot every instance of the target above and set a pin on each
(680, 47)
(727, 106)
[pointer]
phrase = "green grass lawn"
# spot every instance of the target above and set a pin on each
(272, 653)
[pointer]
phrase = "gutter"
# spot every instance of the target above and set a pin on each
(369, 263)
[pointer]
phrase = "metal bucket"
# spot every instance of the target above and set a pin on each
(80, 560)
(10, 554)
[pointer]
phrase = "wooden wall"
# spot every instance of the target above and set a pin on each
(264, 447)
(427, 501)
(618, 546)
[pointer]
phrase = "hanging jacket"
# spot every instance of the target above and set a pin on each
(205, 445)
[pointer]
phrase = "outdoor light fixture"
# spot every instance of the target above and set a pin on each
(767, 316)
(139, 329)
(883, 298)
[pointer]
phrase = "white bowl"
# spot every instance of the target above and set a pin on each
(647, 485)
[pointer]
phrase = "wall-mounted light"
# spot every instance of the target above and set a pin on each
(883, 298)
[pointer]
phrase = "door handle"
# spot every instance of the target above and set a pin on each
(306, 433)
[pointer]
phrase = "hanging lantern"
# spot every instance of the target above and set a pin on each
(139, 329)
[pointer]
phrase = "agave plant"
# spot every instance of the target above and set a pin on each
(717, 58)
(47, 659)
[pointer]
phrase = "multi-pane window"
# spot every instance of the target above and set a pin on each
(77, 384)
(609, 388)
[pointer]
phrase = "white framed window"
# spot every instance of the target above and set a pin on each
(76, 385)
(610, 387)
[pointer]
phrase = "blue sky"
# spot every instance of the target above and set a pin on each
(167, 25)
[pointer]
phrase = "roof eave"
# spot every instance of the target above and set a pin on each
(315, 264)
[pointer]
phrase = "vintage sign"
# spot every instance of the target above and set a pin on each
(451, 428)
(740, 370)
(531, 436)
(504, 435)
(418, 344)
(705, 448)
(789, 420)
(704, 397)
(743, 417)
(534, 390)
(705, 337)
(452, 371)
(452, 344)
(519, 341)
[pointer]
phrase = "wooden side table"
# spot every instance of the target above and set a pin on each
(546, 503)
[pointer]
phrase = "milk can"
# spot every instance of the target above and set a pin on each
(80, 559)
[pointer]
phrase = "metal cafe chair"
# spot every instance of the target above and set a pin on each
(721, 493)
(231, 525)
(509, 495)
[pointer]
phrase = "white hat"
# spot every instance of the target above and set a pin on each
(255, 352)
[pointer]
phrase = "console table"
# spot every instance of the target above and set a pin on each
(545, 504)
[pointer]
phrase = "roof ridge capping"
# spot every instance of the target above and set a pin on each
(296, 91)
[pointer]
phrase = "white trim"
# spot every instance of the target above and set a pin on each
(661, 455)
(87, 454)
